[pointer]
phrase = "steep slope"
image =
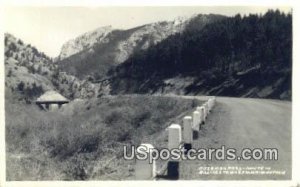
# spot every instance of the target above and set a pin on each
(26, 69)
(85, 41)
(238, 56)
(112, 47)
(29, 73)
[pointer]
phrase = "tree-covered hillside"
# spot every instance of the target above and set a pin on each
(247, 56)
(29, 73)
(116, 46)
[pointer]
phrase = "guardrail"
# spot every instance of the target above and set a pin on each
(177, 136)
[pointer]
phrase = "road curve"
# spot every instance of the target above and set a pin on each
(245, 123)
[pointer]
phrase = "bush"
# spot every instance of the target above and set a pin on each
(9, 74)
(33, 91)
(21, 86)
(72, 144)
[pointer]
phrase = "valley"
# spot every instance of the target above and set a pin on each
(126, 86)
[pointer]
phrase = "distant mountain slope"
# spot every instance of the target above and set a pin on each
(98, 51)
(84, 42)
(238, 56)
(29, 73)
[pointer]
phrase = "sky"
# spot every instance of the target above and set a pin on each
(48, 28)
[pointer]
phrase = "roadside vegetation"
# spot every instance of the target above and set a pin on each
(84, 140)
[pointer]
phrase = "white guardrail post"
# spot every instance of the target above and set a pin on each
(144, 170)
(205, 110)
(203, 114)
(207, 107)
(174, 141)
(213, 101)
(209, 104)
(187, 133)
(196, 124)
(200, 109)
(191, 125)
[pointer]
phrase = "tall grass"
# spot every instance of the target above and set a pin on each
(84, 140)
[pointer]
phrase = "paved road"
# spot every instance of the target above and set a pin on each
(245, 123)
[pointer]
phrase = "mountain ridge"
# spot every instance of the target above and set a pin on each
(83, 41)
(98, 59)
(212, 54)
(248, 56)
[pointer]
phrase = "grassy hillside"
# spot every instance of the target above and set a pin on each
(84, 140)
(29, 73)
(249, 56)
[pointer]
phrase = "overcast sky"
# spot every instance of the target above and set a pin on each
(48, 28)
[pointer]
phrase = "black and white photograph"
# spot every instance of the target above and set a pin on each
(155, 93)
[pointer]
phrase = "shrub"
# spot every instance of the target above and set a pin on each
(21, 86)
(70, 143)
(9, 74)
